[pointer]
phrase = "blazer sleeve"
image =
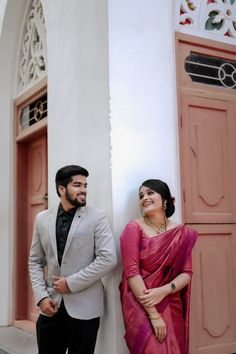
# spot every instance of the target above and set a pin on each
(37, 263)
(104, 261)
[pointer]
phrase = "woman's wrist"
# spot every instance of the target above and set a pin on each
(172, 287)
(155, 316)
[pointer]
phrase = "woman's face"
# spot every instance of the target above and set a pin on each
(149, 200)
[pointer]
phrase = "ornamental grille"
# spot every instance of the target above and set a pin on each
(211, 70)
(34, 112)
(33, 55)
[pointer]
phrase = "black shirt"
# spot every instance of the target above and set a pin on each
(63, 224)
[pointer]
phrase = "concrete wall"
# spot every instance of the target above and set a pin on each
(142, 109)
(78, 109)
(2, 11)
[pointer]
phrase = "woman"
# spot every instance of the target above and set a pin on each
(155, 287)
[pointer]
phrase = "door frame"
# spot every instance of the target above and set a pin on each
(20, 257)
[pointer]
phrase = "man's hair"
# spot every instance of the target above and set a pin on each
(64, 174)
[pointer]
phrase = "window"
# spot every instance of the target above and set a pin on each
(211, 70)
(34, 112)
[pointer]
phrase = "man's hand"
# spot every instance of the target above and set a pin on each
(60, 285)
(48, 306)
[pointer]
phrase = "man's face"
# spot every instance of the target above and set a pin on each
(76, 191)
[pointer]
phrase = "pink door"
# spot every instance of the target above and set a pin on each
(207, 127)
(213, 305)
(208, 169)
(30, 191)
(37, 200)
(209, 146)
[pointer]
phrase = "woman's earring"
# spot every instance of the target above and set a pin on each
(164, 204)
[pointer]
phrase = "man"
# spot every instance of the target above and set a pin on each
(72, 249)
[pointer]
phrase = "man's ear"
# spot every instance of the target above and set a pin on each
(61, 190)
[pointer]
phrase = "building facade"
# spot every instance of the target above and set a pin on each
(131, 90)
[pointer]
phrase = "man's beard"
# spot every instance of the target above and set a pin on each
(75, 201)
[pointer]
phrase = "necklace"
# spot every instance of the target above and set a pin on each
(158, 227)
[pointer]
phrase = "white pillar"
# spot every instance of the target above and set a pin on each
(78, 111)
(142, 109)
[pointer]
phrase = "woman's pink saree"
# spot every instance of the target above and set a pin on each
(158, 260)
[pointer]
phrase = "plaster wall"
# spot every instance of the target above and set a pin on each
(78, 111)
(78, 108)
(2, 11)
(142, 110)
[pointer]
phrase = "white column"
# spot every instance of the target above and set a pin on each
(2, 11)
(142, 109)
(78, 111)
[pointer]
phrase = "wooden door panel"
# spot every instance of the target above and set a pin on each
(208, 141)
(213, 306)
(37, 188)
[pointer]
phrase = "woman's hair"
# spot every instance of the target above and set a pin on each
(162, 188)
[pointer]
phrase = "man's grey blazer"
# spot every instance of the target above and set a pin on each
(89, 255)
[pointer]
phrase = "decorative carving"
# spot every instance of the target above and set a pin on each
(215, 16)
(33, 58)
(189, 12)
(220, 16)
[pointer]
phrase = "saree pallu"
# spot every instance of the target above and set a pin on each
(158, 259)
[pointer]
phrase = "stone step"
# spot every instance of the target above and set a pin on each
(16, 341)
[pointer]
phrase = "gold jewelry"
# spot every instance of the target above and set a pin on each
(164, 205)
(158, 227)
(155, 317)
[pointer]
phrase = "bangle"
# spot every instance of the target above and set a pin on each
(173, 287)
(155, 317)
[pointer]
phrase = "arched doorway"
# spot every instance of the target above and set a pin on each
(30, 156)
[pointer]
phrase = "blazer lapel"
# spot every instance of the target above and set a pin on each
(52, 230)
(74, 225)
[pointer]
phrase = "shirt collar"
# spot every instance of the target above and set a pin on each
(62, 211)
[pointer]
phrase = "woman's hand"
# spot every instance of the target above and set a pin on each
(159, 327)
(153, 296)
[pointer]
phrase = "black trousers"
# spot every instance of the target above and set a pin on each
(60, 332)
